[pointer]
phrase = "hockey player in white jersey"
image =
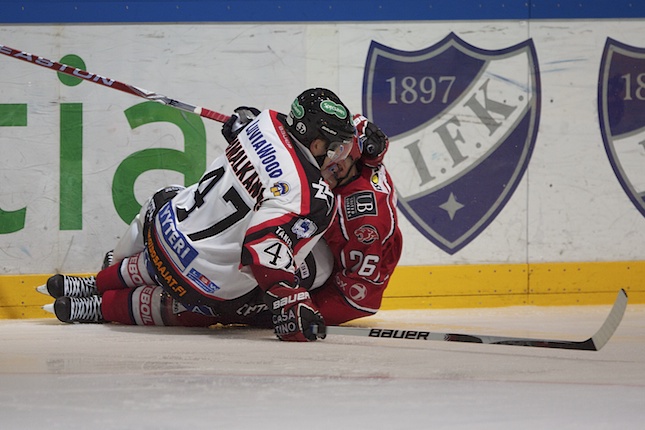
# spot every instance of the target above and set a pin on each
(255, 214)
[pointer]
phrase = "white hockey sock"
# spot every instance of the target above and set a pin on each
(134, 271)
(146, 305)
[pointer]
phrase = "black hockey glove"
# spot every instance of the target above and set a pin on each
(242, 116)
(295, 318)
(375, 142)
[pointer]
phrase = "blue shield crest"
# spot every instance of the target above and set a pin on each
(621, 103)
(462, 123)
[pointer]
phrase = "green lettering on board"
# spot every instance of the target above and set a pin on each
(191, 162)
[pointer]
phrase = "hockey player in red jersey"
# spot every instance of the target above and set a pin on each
(364, 238)
(249, 222)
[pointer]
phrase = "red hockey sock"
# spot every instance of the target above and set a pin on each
(115, 306)
(109, 279)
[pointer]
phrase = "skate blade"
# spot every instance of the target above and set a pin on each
(43, 290)
(49, 308)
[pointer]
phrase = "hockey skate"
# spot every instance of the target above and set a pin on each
(77, 309)
(70, 286)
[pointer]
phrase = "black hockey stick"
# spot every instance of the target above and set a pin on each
(111, 83)
(594, 343)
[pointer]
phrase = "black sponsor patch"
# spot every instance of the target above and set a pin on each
(360, 204)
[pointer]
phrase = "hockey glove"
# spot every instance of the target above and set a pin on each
(295, 318)
(242, 116)
(375, 142)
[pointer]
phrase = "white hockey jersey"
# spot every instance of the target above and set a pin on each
(252, 218)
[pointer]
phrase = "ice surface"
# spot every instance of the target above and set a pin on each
(58, 376)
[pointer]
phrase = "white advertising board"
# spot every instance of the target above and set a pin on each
(503, 112)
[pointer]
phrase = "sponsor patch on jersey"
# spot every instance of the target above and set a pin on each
(304, 228)
(264, 149)
(282, 234)
(339, 282)
(203, 310)
(362, 203)
(462, 123)
(621, 103)
(251, 309)
(202, 282)
(183, 253)
(375, 180)
(280, 189)
(323, 192)
(357, 292)
(366, 234)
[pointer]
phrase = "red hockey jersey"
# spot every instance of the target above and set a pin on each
(366, 243)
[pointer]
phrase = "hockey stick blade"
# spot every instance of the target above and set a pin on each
(594, 343)
(111, 83)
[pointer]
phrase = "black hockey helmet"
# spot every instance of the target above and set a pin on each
(319, 113)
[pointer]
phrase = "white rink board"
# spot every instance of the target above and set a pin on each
(568, 207)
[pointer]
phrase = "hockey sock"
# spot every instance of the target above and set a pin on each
(145, 305)
(109, 279)
(115, 306)
(133, 306)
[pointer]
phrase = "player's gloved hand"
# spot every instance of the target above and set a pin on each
(375, 142)
(295, 318)
(241, 117)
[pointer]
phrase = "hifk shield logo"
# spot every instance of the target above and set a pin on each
(621, 103)
(462, 123)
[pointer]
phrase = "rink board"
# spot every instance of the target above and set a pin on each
(439, 287)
